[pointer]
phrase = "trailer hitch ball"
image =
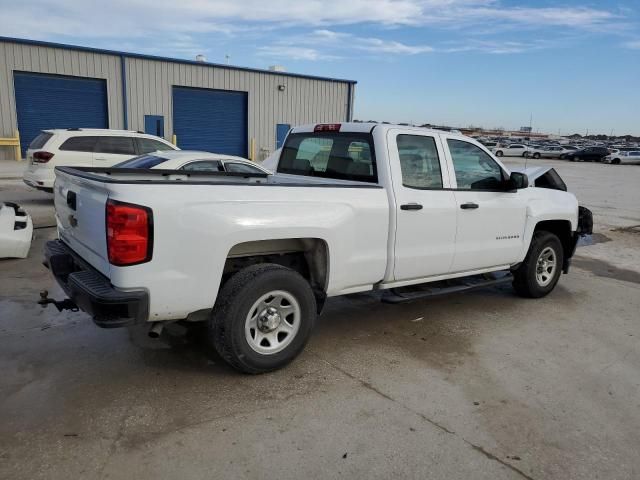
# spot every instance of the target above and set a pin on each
(66, 304)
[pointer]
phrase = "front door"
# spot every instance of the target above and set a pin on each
(425, 209)
(491, 221)
(154, 125)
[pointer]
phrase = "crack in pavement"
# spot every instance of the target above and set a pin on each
(475, 447)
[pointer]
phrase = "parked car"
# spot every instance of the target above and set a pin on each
(83, 147)
(352, 207)
(623, 157)
(567, 149)
(512, 150)
(588, 154)
(193, 161)
(545, 152)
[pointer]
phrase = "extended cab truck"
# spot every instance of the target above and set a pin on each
(353, 207)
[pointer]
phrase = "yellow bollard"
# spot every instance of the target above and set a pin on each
(174, 139)
(17, 147)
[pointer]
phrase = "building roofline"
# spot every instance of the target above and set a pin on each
(41, 43)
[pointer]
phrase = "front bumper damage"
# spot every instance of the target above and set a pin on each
(16, 231)
(585, 227)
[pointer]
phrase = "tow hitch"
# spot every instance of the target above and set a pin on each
(65, 304)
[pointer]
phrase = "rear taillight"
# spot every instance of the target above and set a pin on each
(327, 127)
(42, 157)
(129, 233)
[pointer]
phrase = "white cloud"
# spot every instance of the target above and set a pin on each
(136, 18)
(294, 53)
(633, 44)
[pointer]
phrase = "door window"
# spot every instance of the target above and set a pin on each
(116, 145)
(419, 162)
(146, 145)
(79, 144)
(475, 170)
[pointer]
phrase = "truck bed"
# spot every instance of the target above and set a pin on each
(155, 176)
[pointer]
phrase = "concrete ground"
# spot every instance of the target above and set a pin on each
(480, 385)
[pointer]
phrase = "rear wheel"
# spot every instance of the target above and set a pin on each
(263, 318)
(615, 161)
(525, 154)
(499, 153)
(540, 271)
(536, 155)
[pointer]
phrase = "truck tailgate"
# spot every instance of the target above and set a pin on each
(80, 214)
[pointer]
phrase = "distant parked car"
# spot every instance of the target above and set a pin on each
(194, 161)
(512, 150)
(623, 157)
(83, 147)
(588, 154)
(546, 152)
(566, 149)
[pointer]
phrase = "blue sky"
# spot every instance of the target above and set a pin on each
(573, 65)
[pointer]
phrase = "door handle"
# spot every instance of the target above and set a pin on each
(469, 206)
(411, 206)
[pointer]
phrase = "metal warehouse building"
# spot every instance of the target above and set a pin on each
(218, 108)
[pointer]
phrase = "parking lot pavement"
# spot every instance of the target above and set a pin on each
(481, 385)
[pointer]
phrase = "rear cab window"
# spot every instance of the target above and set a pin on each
(337, 155)
(40, 141)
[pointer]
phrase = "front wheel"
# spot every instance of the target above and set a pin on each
(536, 155)
(499, 153)
(540, 271)
(263, 318)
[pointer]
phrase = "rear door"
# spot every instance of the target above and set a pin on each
(113, 149)
(425, 207)
(490, 220)
(76, 151)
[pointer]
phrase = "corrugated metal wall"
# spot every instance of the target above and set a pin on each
(149, 89)
(302, 101)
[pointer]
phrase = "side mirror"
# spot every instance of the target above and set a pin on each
(516, 181)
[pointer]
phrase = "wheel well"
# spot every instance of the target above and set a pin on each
(307, 256)
(561, 229)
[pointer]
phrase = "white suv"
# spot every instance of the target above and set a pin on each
(83, 147)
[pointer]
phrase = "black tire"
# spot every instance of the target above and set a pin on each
(238, 295)
(615, 161)
(499, 153)
(525, 154)
(525, 278)
(536, 155)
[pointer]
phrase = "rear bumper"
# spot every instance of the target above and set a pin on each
(92, 292)
(41, 178)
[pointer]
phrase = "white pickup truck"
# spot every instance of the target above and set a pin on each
(353, 207)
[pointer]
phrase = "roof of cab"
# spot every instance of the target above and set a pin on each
(366, 127)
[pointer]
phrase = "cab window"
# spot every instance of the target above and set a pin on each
(419, 162)
(344, 156)
(474, 169)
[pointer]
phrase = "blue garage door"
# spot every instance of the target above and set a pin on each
(55, 101)
(210, 120)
